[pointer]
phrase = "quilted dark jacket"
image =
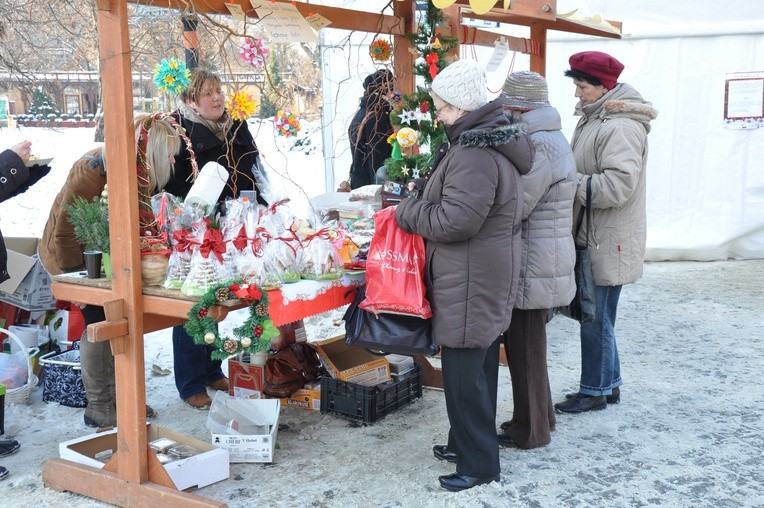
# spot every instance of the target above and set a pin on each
(469, 215)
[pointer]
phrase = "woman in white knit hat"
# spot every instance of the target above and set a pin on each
(469, 215)
(548, 257)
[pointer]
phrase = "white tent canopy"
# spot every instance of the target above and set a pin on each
(705, 182)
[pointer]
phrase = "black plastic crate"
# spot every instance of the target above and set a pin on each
(369, 403)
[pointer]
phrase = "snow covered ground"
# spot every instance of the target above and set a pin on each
(688, 432)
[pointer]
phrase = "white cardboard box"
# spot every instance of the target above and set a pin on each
(29, 285)
(227, 410)
(206, 468)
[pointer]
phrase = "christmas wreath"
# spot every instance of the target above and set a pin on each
(253, 335)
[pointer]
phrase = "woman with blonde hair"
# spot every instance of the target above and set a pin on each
(158, 140)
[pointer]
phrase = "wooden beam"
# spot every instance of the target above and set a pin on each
(403, 58)
(538, 60)
(344, 19)
(522, 12)
(130, 378)
(62, 475)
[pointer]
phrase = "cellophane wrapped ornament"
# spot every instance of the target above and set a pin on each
(208, 267)
(282, 249)
(175, 218)
(233, 227)
(320, 259)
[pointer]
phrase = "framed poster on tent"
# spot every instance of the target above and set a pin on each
(744, 100)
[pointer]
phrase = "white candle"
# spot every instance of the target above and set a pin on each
(208, 185)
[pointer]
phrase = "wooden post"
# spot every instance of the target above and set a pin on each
(403, 58)
(538, 61)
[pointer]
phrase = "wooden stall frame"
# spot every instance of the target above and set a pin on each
(134, 477)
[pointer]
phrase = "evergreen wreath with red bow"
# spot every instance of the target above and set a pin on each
(253, 335)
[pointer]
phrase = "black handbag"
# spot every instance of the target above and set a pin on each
(387, 333)
(583, 307)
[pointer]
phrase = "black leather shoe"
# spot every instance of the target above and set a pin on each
(8, 446)
(3, 473)
(442, 452)
(506, 442)
(613, 398)
(456, 482)
(582, 403)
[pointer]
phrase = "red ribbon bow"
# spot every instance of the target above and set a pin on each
(182, 240)
(213, 243)
(241, 239)
(249, 292)
(432, 60)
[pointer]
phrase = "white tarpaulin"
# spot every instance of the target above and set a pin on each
(705, 181)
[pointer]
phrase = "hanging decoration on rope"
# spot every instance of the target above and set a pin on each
(433, 52)
(253, 335)
(171, 76)
(241, 106)
(254, 52)
(380, 50)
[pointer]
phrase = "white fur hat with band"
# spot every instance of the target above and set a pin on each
(462, 84)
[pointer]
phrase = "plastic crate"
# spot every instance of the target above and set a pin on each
(369, 403)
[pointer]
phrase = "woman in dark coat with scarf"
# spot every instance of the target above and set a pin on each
(217, 137)
(370, 128)
(470, 217)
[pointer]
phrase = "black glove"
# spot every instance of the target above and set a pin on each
(36, 172)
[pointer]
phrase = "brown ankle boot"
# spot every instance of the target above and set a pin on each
(199, 401)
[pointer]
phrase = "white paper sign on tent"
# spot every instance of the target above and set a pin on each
(283, 22)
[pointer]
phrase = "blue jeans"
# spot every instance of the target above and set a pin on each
(600, 367)
(194, 369)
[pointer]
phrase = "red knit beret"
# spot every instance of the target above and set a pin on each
(600, 65)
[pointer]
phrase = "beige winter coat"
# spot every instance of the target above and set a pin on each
(610, 145)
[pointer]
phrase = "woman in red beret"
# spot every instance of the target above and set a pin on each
(610, 147)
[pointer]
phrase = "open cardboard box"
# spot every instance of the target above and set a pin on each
(206, 468)
(351, 363)
(229, 415)
(29, 285)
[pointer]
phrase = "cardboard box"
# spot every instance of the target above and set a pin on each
(229, 415)
(29, 285)
(352, 364)
(245, 379)
(206, 468)
(304, 398)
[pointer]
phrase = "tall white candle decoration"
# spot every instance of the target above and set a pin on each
(208, 185)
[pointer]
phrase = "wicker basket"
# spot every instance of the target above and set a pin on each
(20, 395)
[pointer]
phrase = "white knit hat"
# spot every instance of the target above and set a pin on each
(524, 91)
(462, 84)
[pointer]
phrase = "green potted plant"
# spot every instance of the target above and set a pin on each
(91, 226)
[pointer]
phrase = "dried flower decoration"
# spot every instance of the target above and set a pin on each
(254, 52)
(241, 106)
(380, 50)
(171, 75)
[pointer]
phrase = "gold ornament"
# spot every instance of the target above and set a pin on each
(209, 338)
(246, 342)
(436, 44)
(407, 137)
